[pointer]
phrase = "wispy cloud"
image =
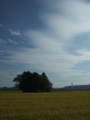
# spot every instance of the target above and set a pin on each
(3, 41)
(64, 20)
(11, 41)
(16, 33)
(70, 18)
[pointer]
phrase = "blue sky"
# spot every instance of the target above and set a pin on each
(51, 36)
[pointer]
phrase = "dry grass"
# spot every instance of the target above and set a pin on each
(45, 106)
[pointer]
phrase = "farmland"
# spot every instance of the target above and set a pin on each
(69, 105)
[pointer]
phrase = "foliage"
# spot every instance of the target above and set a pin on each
(33, 82)
(48, 106)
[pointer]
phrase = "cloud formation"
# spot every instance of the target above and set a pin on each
(11, 41)
(64, 20)
(2, 41)
(70, 18)
(16, 33)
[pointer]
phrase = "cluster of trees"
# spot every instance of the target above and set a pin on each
(33, 82)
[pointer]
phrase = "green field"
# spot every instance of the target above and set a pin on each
(71, 105)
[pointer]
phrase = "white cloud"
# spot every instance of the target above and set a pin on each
(64, 21)
(15, 43)
(69, 19)
(16, 33)
(0, 25)
(49, 55)
(3, 41)
(11, 41)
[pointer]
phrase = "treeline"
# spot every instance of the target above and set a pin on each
(9, 89)
(33, 82)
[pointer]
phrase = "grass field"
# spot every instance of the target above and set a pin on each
(71, 105)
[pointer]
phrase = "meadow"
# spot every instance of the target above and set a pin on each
(69, 105)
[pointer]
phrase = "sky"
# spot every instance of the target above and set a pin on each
(51, 36)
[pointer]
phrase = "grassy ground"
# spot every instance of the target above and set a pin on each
(72, 105)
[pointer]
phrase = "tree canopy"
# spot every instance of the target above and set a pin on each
(33, 82)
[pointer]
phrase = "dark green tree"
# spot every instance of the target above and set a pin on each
(48, 84)
(33, 82)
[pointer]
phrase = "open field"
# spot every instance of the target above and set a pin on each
(71, 105)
